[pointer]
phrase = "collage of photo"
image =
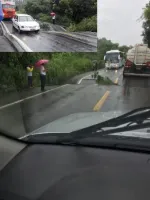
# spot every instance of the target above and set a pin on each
(74, 99)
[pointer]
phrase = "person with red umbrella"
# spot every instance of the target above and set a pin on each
(41, 64)
(53, 16)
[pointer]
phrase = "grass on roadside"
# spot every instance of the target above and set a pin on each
(67, 65)
(104, 80)
(100, 80)
(87, 24)
(61, 68)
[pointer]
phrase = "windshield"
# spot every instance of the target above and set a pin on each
(55, 90)
(8, 6)
(113, 57)
(25, 19)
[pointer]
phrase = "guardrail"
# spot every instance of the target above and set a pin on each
(16, 42)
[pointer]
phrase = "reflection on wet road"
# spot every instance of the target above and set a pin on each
(52, 42)
(31, 114)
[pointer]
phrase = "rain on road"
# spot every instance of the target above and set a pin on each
(31, 114)
(51, 42)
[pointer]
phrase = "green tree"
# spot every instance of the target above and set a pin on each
(69, 11)
(35, 7)
(106, 45)
(83, 9)
(146, 24)
(124, 48)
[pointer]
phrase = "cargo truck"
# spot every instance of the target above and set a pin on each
(137, 61)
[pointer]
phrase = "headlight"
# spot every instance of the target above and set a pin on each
(24, 26)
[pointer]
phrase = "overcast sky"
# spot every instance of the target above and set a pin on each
(117, 20)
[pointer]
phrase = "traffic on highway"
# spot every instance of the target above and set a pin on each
(109, 92)
(74, 110)
(114, 79)
(73, 118)
(53, 35)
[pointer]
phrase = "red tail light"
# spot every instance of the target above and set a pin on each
(148, 64)
(128, 63)
(4, 11)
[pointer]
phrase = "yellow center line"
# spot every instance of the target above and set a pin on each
(116, 81)
(100, 103)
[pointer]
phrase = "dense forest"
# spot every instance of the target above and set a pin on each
(61, 67)
(75, 15)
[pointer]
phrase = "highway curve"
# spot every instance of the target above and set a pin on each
(56, 41)
(84, 96)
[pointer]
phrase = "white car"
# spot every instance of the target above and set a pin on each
(24, 22)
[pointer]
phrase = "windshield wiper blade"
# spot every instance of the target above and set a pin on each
(43, 136)
(132, 120)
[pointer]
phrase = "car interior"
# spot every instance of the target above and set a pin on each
(49, 171)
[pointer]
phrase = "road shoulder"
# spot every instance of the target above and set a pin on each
(5, 45)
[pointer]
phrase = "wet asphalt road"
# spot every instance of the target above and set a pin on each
(33, 113)
(52, 42)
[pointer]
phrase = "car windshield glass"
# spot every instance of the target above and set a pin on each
(112, 57)
(8, 6)
(70, 82)
(25, 19)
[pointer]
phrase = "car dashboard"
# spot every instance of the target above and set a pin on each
(53, 172)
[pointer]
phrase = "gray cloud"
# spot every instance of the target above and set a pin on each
(118, 20)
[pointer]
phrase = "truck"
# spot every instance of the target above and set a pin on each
(8, 8)
(137, 61)
(114, 59)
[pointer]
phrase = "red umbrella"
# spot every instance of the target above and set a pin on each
(52, 14)
(41, 62)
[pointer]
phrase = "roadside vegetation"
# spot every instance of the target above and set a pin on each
(74, 15)
(100, 80)
(61, 67)
(146, 24)
(87, 24)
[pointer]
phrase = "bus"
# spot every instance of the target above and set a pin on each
(1, 13)
(114, 59)
(8, 7)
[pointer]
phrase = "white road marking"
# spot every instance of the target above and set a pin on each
(79, 82)
(31, 97)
